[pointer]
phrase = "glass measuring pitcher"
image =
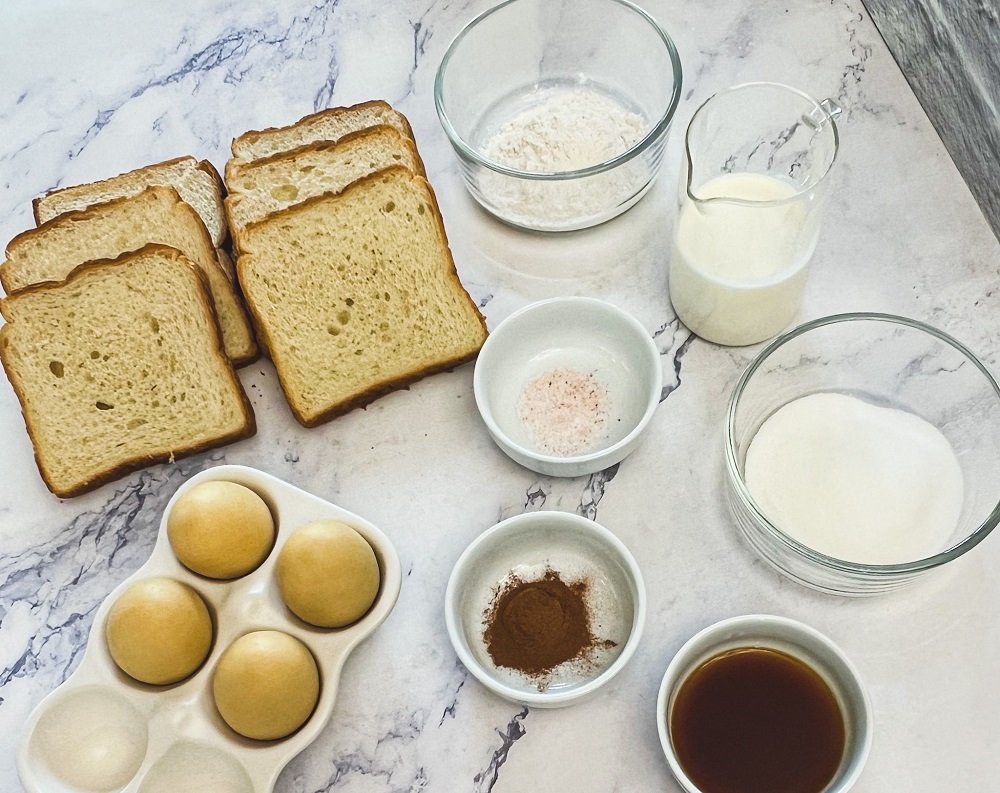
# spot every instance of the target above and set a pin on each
(757, 157)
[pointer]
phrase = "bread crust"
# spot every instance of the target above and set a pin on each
(368, 396)
(211, 170)
(327, 145)
(322, 145)
(372, 393)
(253, 135)
(248, 429)
(37, 201)
(171, 194)
(199, 165)
(83, 214)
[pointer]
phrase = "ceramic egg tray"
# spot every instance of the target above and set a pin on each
(153, 739)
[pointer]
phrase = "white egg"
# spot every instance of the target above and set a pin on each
(93, 740)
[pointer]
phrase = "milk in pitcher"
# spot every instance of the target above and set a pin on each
(739, 258)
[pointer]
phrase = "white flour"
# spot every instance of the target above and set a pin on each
(564, 129)
(856, 481)
(568, 129)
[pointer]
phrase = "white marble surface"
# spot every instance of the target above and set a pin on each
(93, 88)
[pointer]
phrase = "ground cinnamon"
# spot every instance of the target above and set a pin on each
(533, 626)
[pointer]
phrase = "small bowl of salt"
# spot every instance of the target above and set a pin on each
(567, 386)
(558, 113)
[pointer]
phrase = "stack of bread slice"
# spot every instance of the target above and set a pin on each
(196, 181)
(124, 319)
(343, 259)
(279, 181)
(123, 325)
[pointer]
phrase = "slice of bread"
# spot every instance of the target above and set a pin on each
(331, 125)
(104, 231)
(226, 261)
(274, 183)
(356, 294)
(118, 367)
(198, 183)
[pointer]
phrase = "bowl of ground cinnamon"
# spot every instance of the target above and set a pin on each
(545, 608)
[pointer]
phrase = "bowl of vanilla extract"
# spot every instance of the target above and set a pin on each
(763, 704)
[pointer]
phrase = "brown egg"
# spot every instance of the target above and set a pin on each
(266, 685)
(159, 631)
(328, 574)
(220, 530)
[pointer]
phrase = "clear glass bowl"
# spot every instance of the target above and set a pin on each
(888, 361)
(514, 58)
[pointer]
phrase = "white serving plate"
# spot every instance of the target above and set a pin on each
(187, 744)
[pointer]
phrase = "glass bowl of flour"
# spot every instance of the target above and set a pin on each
(557, 110)
(863, 450)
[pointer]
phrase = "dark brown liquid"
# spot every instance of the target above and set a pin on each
(757, 721)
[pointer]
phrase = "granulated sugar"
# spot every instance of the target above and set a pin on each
(856, 481)
(564, 411)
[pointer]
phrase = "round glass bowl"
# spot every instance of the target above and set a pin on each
(805, 644)
(888, 361)
(523, 58)
(526, 546)
(568, 386)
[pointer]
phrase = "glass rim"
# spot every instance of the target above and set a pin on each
(640, 146)
(831, 562)
(750, 202)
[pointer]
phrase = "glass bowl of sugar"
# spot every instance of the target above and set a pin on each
(863, 450)
(558, 112)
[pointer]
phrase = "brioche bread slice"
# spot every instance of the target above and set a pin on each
(274, 183)
(198, 183)
(356, 294)
(226, 262)
(118, 367)
(104, 231)
(331, 124)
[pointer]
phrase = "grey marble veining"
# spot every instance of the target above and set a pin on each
(91, 89)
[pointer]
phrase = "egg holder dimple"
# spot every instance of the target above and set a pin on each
(182, 733)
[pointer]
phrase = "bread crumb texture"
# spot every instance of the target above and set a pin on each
(196, 182)
(107, 230)
(330, 124)
(119, 367)
(357, 294)
(270, 185)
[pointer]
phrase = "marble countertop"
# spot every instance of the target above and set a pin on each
(95, 88)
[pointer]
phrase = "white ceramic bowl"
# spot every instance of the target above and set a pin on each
(582, 335)
(576, 548)
(795, 639)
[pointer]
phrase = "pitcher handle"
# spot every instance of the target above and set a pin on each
(828, 110)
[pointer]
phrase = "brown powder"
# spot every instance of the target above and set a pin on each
(533, 626)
